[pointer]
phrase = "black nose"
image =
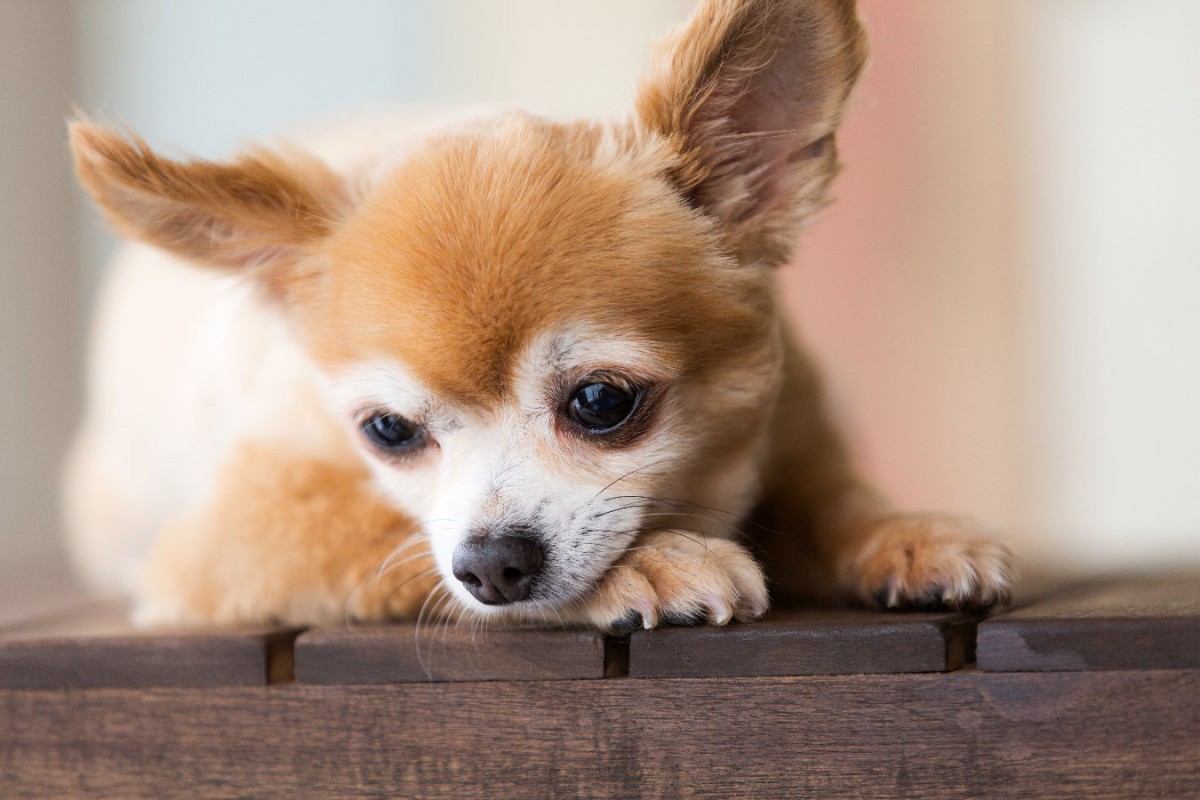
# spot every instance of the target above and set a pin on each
(498, 569)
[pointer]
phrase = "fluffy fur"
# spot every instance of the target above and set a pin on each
(467, 278)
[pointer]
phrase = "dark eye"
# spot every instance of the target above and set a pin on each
(392, 432)
(600, 407)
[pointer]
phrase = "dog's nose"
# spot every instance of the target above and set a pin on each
(498, 569)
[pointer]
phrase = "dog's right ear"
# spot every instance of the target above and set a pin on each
(259, 212)
(748, 95)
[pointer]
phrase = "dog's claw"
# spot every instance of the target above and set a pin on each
(720, 613)
(889, 598)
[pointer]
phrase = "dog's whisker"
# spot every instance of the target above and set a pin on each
(440, 596)
(402, 555)
(623, 508)
(679, 509)
(562, 623)
(739, 517)
(416, 535)
(444, 612)
(401, 562)
(628, 474)
(432, 630)
(690, 515)
(478, 623)
(389, 563)
(429, 598)
(425, 573)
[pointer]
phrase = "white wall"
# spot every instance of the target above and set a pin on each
(208, 76)
(40, 330)
(1110, 165)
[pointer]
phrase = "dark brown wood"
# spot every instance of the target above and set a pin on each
(807, 642)
(1131, 622)
(965, 734)
(401, 652)
(95, 646)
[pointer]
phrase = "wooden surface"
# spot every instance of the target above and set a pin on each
(1133, 622)
(791, 642)
(401, 652)
(965, 734)
(90, 708)
(94, 646)
(806, 642)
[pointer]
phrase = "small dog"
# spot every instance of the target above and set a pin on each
(506, 367)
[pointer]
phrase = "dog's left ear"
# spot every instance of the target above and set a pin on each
(748, 94)
(258, 212)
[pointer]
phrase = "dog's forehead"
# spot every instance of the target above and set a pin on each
(480, 244)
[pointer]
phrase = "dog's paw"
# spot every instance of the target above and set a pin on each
(929, 562)
(678, 578)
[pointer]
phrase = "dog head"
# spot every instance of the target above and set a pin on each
(547, 337)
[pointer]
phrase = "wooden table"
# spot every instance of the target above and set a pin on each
(1081, 688)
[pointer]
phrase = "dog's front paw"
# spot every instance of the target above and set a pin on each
(678, 578)
(928, 562)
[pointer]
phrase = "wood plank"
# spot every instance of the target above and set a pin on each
(807, 642)
(1122, 622)
(402, 651)
(965, 734)
(95, 646)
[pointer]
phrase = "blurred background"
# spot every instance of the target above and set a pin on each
(1006, 294)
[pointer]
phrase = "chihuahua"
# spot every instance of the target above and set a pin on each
(502, 367)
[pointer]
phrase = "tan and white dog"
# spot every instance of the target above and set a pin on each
(503, 367)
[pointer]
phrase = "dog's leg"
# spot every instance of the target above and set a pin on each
(289, 540)
(823, 533)
(676, 578)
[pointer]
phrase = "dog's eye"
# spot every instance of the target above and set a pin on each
(600, 407)
(392, 432)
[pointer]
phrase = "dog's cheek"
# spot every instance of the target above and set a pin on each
(733, 396)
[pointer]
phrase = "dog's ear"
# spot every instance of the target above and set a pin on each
(748, 94)
(258, 212)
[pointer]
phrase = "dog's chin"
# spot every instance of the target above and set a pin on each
(552, 605)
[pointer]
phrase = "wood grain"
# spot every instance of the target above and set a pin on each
(965, 734)
(807, 642)
(400, 652)
(1130, 622)
(95, 646)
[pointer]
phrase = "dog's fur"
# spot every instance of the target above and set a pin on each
(469, 278)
